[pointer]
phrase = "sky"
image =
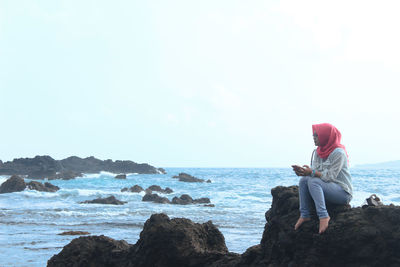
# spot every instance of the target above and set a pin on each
(175, 83)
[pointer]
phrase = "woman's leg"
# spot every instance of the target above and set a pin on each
(305, 202)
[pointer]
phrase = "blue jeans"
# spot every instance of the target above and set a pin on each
(320, 191)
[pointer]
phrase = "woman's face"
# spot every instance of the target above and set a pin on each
(316, 140)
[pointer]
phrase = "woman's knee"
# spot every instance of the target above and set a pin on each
(313, 182)
(304, 180)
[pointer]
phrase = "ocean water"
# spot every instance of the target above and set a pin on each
(30, 221)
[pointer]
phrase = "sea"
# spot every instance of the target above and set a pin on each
(31, 221)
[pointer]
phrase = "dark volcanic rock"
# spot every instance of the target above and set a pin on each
(157, 188)
(13, 184)
(163, 243)
(184, 177)
(74, 233)
(155, 198)
(108, 200)
(135, 189)
(162, 171)
(41, 167)
(120, 176)
(186, 199)
(355, 237)
(46, 187)
(91, 251)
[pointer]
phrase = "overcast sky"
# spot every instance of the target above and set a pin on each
(198, 83)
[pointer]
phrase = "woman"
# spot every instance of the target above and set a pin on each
(328, 179)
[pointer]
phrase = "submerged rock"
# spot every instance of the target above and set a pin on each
(74, 233)
(135, 189)
(111, 200)
(13, 184)
(120, 176)
(157, 188)
(46, 187)
(184, 177)
(155, 198)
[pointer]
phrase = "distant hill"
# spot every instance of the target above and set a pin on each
(383, 165)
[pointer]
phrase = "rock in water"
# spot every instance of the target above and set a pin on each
(155, 198)
(120, 176)
(111, 200)
(13, 184)
(74, 233)
(46, 187)
(184, 177)
(91, 251)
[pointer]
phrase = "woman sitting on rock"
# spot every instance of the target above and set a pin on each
(328, 179)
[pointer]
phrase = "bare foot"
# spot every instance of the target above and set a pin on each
(300, 222)
(323, 224)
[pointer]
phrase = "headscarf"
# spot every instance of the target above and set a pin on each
(329, 138)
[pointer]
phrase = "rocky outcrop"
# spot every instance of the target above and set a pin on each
(134, 189)
(184, 177)
(41, 167)
(92, 251)
(13, 184)
(163, 242)
(155, 198)
(46, 187)
(120, 176)
(186, 199)
(355, 237)
(157, 188)
(111, 200)
(74, 233)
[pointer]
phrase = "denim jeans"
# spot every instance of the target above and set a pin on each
(321, 192)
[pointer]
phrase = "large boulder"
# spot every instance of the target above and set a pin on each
(186, 199)
(91, 251)
(163, 242)
(13, 184)
(158, 188)
(135, 189)
(46, 187)
(111, 200)
(184, 177)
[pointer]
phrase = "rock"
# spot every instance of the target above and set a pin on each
(157, 188)
(186, 199)
(120, 176)
(163, 242)
(13, 184)
(162, 171)
(91, 251)
(184, 177)
(155, 198)
(66, 175)
(208, 181)
(41, 167)
(74, 233)
(355, 236)
(46, 187)
(109, 200)
(134, 189)
(209, 205)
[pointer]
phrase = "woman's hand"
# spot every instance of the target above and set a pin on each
(302, 171)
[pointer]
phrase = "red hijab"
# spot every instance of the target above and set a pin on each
(329, 138)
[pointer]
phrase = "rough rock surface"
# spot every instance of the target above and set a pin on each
(155, 198)
(355, 237)
(46, 187)
(13, 184)
(74, 233)
(41, 167)
(184, 177)
(135, 189)
(66, 175)
(108, 200)
(120, 176)
(91, 251)
(163, 242)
